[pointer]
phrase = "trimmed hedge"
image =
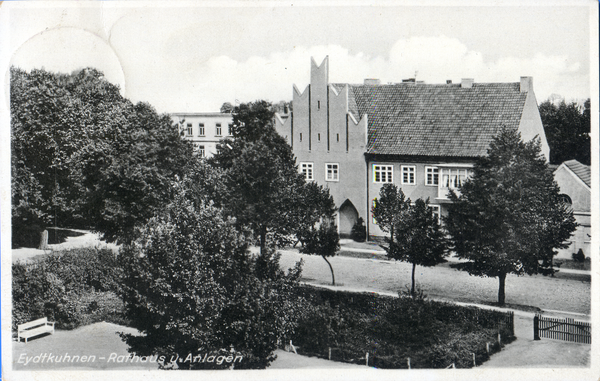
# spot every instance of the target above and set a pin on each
(432, 334)
(73, 288)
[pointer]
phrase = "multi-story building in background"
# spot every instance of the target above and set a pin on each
(204, 129)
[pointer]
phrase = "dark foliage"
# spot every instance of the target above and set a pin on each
(567, 127)
(72, 288)
(391, 330)
(359, 230)
(509, 217)
(82, 155)
(415, 233)
(262, 188)
(192, 286)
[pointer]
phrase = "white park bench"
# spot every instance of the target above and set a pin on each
(34, 328)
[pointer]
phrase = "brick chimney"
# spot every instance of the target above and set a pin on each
(526, 84)
(467, 83)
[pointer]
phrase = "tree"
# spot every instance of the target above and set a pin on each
(415, 234)
(226, 108)
(323, 240)
(263, 188)
(87, 156)
(567, 127)
(192, 287)
(317, 237)
(389, 208)
(509, 217)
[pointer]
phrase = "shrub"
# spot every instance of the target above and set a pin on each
(359, 231)
(62, 286)
(579, 256)
(431, 334)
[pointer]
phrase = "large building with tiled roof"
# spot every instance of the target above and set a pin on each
(424, 138)
(574, 180)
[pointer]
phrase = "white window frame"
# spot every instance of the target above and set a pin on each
(335, 173)
(201, 130)
(218, 130)
(230, 129)
(202, 150)
(411, 170)
(434, 172)
(189, 129)
(383, 169)
(307, 168)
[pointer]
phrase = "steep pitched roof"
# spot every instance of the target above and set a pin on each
(436, 120)
(580, 170)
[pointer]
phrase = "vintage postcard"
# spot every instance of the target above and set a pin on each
(299, 190)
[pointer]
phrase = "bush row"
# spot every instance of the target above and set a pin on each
(73, 287)
(432, 334)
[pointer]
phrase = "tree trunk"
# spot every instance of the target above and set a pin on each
(44, 240)
(412, 289)
(501, 285)
(331, 268)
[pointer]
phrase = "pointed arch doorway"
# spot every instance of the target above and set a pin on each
(348, 216)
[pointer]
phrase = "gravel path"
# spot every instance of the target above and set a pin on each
(564, 292)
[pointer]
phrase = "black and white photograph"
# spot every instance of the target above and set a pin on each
(273, 190)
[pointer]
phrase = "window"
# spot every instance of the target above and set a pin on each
(383, 173)
(230, 129)
(408, 174)
(189, 130)
(454, 178)
(432, 176)
(565, 199)
(201, 151)
(219, 131)
(201, 129)
(332, 172)
(307, 170)
(436, 212)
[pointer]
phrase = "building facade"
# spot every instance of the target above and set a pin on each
(204, 130)
(424, 138)
(574, 180)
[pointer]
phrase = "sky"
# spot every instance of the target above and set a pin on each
(194, 56)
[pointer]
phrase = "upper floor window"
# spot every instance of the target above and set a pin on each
(454, 178)
(201, 130)
(451, 178)
(431, 176)
(332, 172)
(219, 131)
(189, 129)
(408, 174)
(230, 129)
(383, 173)
(307, 171)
